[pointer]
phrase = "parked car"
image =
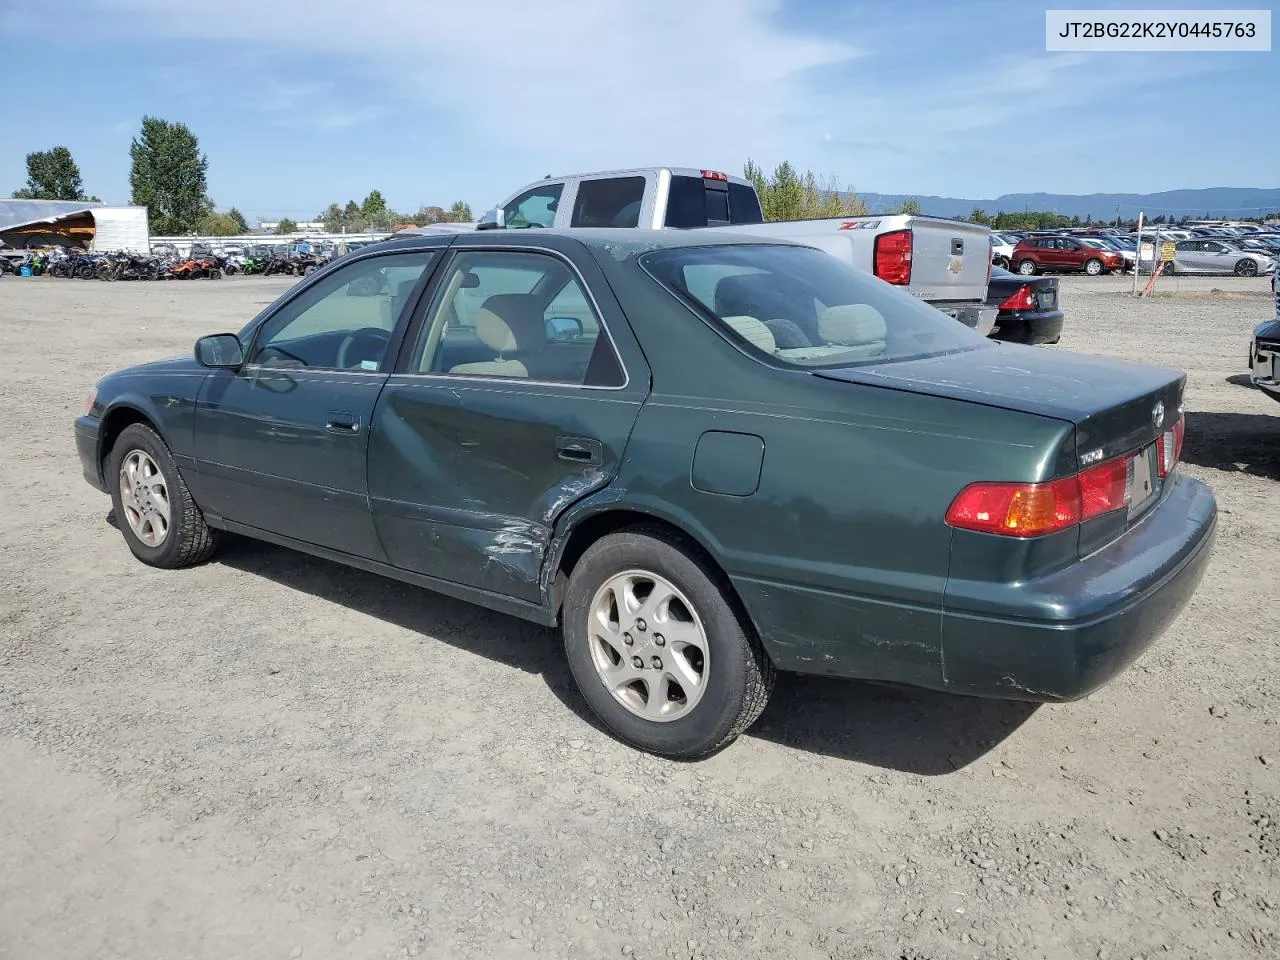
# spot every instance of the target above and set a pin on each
(1002, 250)
(1128, 251)
(1028, 308)
(1264, 353)
(705, 458)
(1064, 255)
(943, 262)
(1218, 256)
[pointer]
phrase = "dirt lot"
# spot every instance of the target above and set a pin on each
(271, 756)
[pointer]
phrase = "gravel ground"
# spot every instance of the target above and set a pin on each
(272, 756)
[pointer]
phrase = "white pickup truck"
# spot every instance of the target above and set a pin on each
(945, 263)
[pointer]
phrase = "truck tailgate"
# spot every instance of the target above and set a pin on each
(950, 260)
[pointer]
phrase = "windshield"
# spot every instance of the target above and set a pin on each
(804, 308)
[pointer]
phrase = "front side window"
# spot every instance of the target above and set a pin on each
(343, 322)
(804, 308)
(516, 315)
(609, 202)
(534, 208)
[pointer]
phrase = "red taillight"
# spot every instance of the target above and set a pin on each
(1169, 447)
(1022, 300)
(1037, 509)
(715, 175)
(893, 257)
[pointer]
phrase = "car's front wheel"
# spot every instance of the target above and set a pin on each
(1246, 268)
(160, 522)
(1027, 268)
(659, 652)
(1093, 267)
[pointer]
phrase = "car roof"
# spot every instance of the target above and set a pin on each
(618, 243)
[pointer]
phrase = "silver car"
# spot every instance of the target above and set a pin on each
(1204, 255)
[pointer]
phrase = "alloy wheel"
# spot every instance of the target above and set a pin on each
(648, 645)
(144, 496)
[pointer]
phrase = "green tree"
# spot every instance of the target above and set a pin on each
(242, 225)
(978, 215)
(169, 176)
(460, 212)
(334, 219)
(374, 210)
(286, 226)
(789, 195)
(214, 224)
(52, 175)
(910, 206)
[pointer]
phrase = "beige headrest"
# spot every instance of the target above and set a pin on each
(494, 332)
(754, 332)
(852, 324)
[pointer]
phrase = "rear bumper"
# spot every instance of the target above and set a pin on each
(1029, 327)
(87, 430)
(1064, 635)
(980, 317)
(1264, 368)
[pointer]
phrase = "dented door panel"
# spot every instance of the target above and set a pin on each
(467, 477)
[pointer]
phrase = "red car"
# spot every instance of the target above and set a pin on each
(1035, 255)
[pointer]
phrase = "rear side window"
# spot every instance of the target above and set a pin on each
(612, 202)
(692, 202)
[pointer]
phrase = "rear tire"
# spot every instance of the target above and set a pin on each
(1027, 268)
(1001, 262)
(1093, 267)
(723, 656)
(154, 501)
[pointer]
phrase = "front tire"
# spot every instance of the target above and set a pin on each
(160, 522)
(1027, 268)
(1093, 267)
(659, 651)
(1246, 268)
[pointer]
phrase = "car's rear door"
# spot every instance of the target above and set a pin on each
(472, 460)
(281, 443)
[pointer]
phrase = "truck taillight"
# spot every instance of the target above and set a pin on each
(1037, 509)
(1169, 447)
(1022, 300)
(893, 257)
(715, 175)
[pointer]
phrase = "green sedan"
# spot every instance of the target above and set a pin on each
(704, 458)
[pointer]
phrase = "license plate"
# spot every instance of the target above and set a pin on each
(1142, 480)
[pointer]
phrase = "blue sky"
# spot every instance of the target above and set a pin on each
(300, 104)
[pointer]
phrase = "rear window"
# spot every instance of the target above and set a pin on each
(611, 202)
(692, 203)
(804, 308)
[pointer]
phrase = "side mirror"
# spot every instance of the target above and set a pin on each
(492, 220)
(562, 329)
(221, 351)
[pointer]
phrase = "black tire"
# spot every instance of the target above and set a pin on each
(215, 274)
(739, 677)
(1246, 268)
(1001, 262)
(189, 539)
(1093, 267)
(1027, 268)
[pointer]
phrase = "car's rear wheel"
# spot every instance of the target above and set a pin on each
(1246, 268)
(155, 513)
(1001, 262)
(1027, 268)
(1093, 267)
(658, 650)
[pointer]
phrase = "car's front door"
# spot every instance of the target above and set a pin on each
(281, 443)
(515, 397)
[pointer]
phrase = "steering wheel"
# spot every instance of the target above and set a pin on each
(366, 333)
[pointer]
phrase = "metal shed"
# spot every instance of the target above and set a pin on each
(74, 223)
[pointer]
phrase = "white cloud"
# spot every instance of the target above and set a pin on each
(580, 82)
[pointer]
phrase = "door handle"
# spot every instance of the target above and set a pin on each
(344, 424)
(580, 450)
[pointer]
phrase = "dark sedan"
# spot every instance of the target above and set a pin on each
(1029, 310)
(1264, 353)
(704, 458)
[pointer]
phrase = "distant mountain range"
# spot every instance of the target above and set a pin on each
(1212, 202)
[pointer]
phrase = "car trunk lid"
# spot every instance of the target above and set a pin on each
(1116, 407)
